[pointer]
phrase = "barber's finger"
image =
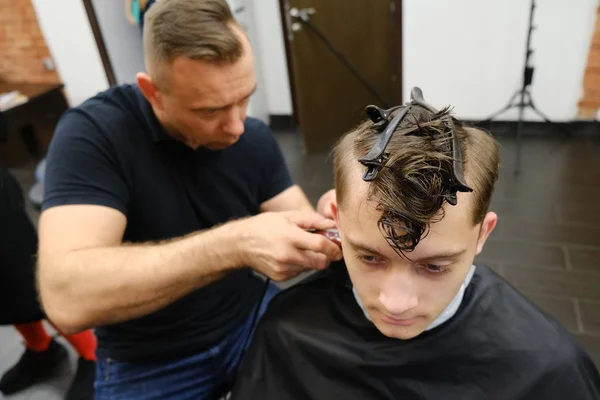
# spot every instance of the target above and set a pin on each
(314, 260)
(322, 224)
(318, 244)
(310, 220)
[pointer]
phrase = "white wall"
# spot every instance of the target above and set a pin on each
(273, 60)
(244, 11)
(123, 41)
(67, 31)
(467, 53)
(470, 53)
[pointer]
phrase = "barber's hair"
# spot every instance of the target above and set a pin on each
(196, 29)
(412, 186)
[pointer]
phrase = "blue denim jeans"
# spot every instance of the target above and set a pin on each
(200, 376)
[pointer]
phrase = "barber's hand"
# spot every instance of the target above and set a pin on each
(324, 206)
(278, 245)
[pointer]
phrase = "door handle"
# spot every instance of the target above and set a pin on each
(301, 13)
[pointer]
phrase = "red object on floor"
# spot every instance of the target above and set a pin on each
(84, 343)
(35, 335)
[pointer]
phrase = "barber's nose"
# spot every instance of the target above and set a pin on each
(398, 293)
(234, 125)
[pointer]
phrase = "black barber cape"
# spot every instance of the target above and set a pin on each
(314, 342)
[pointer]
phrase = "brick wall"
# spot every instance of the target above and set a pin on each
(22, 46)
(590, 102)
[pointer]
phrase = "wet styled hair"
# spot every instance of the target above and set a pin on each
(413, 184)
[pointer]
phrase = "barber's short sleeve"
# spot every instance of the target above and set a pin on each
(275, 176)
(83, 166)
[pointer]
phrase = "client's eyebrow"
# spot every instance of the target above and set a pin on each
(364, 247)
(446, 255)
(443, 255)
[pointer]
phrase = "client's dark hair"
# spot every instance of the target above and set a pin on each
(412, 186)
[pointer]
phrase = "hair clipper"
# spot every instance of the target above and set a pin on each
(331, 234)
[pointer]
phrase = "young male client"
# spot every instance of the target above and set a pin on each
(406, 314)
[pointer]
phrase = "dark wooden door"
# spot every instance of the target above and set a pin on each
(328, 99)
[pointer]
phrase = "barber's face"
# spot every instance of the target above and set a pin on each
(205, 104)
(404, 295)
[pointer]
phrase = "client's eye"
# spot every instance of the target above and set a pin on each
(436, 269)
(368, 259)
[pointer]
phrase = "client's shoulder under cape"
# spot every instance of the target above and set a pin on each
(314, 342)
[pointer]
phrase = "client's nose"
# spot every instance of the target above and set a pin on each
(398, 293)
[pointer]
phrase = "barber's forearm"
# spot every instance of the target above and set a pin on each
(107, 285)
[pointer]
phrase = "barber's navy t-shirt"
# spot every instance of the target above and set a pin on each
(112, 151)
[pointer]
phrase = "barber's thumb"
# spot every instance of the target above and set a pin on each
(311, 220)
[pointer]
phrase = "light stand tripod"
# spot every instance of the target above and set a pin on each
(522, 98)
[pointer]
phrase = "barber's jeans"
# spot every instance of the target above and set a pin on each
(199, 377)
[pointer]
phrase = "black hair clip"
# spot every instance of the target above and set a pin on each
(375, 159)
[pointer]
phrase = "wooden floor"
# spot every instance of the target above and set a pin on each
(547, 243)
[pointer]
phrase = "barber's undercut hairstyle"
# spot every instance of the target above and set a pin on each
(196, 29)
(412, 186)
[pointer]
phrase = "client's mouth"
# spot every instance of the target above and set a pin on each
(397, 321)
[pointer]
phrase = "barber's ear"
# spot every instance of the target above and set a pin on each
(148, 88)
(487, 226)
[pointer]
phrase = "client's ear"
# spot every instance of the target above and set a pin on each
(336, 215)
(487, 226)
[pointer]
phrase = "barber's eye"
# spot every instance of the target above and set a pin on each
(207, 113)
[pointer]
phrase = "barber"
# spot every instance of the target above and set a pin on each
(162, 202)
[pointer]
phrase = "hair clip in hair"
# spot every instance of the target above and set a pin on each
(417, 98)
(458, 183)
(376, 158)
(380, 117)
